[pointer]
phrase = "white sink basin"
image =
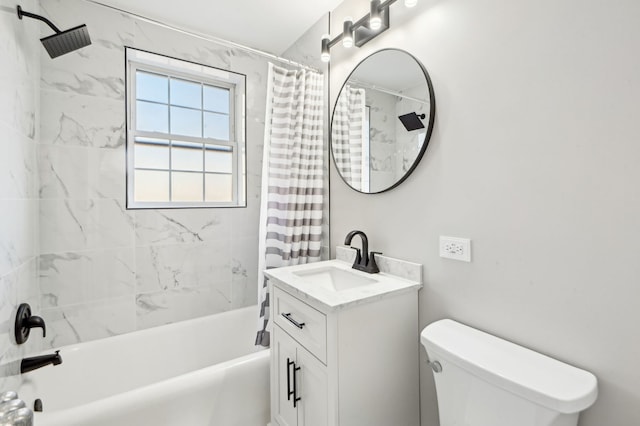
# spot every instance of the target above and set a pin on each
(334, 284)
(333, 278)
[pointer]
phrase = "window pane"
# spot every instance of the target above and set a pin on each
(186, 93)
(152, 87)
(186, 156)
(216, 126)
(218, 188)
(186, 122)
(186, 186)
(187, 137)
(216, 99)
(151, 117)
(151, 153)
(151, 186)
(218, 161)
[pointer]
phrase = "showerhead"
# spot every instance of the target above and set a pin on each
(66, 41)
(62, 41)
(412, 121)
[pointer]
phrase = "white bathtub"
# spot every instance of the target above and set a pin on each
(199, 372)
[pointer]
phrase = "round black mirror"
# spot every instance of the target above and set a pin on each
(382, 121)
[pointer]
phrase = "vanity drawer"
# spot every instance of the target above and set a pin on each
(304, 323)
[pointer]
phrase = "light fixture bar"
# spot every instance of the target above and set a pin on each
(361, 31)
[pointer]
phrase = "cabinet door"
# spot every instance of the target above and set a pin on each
(284, 347)
(312, 388)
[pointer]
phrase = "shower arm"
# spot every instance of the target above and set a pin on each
(22, 13)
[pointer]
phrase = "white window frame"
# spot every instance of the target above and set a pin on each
(138, 60)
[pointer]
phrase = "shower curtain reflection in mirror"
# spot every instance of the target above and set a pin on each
(349, 134)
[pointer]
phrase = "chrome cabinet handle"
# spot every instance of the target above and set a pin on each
(292, 321)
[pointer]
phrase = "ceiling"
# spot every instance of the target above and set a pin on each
(268, 25)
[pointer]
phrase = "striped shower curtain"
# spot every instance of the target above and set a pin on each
(347, 134)
(292, 189)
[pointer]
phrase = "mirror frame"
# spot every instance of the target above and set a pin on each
(427, 138)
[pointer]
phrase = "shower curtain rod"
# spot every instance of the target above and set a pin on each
(365, 85)
(207, 38)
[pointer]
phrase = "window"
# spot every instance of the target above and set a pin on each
(185, 134)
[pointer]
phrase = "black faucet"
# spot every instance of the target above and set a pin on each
(30, 364)
(364, 262)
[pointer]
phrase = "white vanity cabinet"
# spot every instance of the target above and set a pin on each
(301, 395)
(351, 364)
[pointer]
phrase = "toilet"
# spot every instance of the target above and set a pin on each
(482, 380)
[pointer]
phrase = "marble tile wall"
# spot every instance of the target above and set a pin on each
(383, 148)
(19, 105)
(409, 143)
(68, 245)
(105, 270)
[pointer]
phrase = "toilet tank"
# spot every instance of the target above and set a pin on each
(488, 381)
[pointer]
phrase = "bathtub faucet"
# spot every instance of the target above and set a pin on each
(30, 364)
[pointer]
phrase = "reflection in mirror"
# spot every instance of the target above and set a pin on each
(382, 121)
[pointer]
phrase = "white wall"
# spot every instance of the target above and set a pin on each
(535, 157)
(19, 116)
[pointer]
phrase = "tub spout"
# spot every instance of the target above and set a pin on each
(30, 364)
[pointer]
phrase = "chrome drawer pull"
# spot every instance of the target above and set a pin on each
(292, 321)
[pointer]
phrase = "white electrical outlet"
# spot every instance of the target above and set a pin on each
(455, 248)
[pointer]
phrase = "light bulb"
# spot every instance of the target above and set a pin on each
(347, 32)
(375, 23)
(375, 20)
(325, 56)
(410, 3)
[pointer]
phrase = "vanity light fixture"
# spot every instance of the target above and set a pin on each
(364, 29)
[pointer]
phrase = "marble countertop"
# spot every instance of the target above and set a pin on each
(326, 299)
